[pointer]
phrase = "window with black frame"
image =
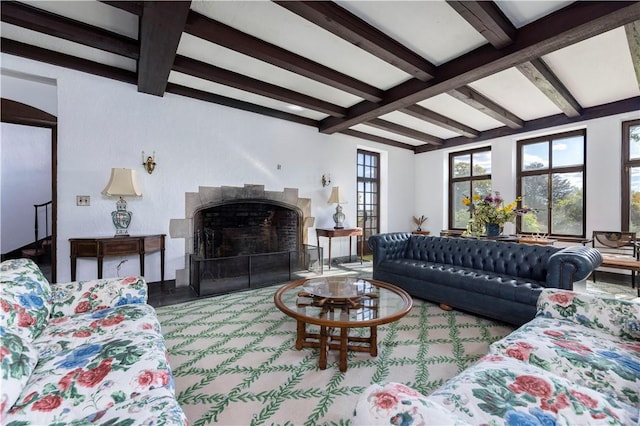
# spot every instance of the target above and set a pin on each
(551, 181)
(469, 174)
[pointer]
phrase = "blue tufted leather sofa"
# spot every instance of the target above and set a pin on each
(494, 279)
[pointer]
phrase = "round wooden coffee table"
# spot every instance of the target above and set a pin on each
(336, 305)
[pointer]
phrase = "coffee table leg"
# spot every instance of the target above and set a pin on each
(373, 349)
(344, 343)
(324, 348)
(300, 334)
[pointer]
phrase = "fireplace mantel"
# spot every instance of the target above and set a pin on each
(210, 196)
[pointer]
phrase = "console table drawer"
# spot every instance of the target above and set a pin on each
(116, 248)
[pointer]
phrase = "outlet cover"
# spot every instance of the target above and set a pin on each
(83, 200)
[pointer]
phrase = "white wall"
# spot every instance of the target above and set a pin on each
(604, 194)
(103, 124)
(25, 180)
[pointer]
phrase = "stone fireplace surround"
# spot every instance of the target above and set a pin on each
(207, 197)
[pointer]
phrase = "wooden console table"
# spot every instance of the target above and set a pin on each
(102, 247)
(332, 232)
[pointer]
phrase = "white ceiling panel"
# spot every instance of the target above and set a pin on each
(230, 92)
(513, 91)
(447, 35)
(460, 112)
(421, 125)
(586, 69)
(523, 12)
(383, 133)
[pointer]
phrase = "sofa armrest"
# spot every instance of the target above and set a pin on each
(388, 246)
(87, 296)
(571, 264)
(613, 316)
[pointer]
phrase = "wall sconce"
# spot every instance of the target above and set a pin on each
(326, 180)
(149, 163)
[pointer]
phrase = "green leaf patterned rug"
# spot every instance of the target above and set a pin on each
(234, 360)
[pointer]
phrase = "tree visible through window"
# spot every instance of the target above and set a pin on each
(469, 173)
(551, 180)
(631, 176)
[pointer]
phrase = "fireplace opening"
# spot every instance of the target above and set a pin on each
(245, 228)
(242, 244)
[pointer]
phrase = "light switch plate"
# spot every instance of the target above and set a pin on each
(83, 200)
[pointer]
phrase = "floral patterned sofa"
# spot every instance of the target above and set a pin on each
(577, 362)
(81, 352)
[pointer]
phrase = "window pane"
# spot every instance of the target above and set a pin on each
(460, 211)
(535, 156)
(634, 205)
(535, 194)
(482, 163)
(462, 166)
(568, 152)
(481, 187)
(634, 142)
(566, 194)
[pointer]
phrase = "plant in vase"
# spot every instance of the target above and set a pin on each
(490, 213)
(419, 221)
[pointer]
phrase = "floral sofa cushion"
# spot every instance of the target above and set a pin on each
(75, 380)
(85, 296)
(586, 356)
(503, 390)
(18, 358)
(397, 404)
(96, 326)
(25, 301)
(620, 318)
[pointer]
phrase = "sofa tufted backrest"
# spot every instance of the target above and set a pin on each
(518, 260)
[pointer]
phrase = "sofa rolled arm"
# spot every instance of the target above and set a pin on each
(79, 297)
(571, 264)
(618, 317)
(388, 246)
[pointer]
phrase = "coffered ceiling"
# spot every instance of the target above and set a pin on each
(420, 75)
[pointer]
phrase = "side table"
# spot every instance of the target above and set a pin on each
(344, 232)
(102, 247)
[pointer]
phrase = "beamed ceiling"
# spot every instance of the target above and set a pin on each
(419, 75)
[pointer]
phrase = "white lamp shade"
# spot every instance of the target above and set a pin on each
(336, 196)
(122, 183)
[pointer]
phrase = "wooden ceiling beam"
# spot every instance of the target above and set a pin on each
(346, 25)
(161, 26)
(229, 78)
(548, 83)
(237, 104)
(485, 105)
(226, 36)
(379, 139)
(44, 22)
(487, 18)
(432, 117)
(381, 124)
(569, 25)
(17, 48)
(633, 40)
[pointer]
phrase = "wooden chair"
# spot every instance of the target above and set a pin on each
(41, 246)
(619, 250)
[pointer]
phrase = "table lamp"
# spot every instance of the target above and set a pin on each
(337, 197)
(122, 184)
